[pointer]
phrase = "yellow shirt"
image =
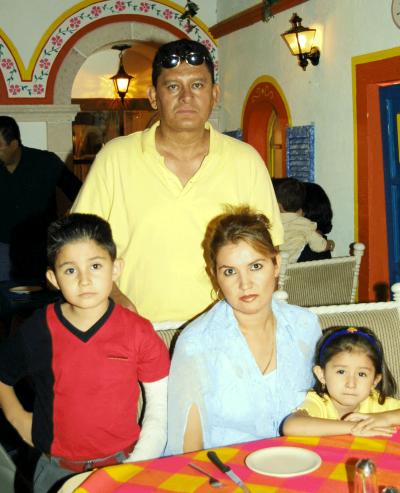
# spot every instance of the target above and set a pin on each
(159, 225)
(322, 407)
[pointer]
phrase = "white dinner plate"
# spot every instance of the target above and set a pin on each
(283, 462)
(25, 289)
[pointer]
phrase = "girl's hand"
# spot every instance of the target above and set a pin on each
(357, 417)
(368, 426)
(375, 419)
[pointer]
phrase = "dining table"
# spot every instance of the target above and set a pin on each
(334, 473)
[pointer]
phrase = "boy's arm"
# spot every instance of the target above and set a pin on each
(318, 243)
(15, 413)
(301, 423)
(153, 435)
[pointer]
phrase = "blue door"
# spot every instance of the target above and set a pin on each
(390, 122)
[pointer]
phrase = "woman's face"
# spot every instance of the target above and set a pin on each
(246, 277)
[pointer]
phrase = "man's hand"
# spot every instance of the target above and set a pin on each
(118, 297)
(20, 419)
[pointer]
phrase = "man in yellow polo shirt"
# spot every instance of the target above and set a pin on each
(159, 188)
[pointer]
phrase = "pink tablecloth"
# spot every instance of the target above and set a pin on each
(172, 474)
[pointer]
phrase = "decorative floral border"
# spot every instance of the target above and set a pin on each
(36, 86)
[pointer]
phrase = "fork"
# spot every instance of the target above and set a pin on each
(212, 481)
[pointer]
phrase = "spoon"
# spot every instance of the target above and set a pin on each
(212, 481)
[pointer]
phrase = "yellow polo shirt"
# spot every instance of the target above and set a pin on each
(322, 407)
(159, 225)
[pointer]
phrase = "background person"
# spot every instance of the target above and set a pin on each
(354, 389)
(238, 369)
(28, 181)
(317, 208)
(298, 230)
(159, 188)
(85, 356)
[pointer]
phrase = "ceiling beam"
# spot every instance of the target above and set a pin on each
(250, 16)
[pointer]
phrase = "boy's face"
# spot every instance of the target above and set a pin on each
(84, 272)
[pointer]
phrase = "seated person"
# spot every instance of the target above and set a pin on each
(354, 389)
(298, 230)
(317, 208)
(238, 368)
(85, 356)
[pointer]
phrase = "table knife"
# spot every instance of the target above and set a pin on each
(227, 470)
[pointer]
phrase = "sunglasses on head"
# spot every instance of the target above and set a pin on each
(192, 58)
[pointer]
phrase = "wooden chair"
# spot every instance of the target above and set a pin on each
(383, 318)
(321, 282)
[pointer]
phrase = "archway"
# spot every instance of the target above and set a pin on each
(264, 120)
(34, 84)
(369, 73)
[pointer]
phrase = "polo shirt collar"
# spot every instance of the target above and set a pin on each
(149, 140)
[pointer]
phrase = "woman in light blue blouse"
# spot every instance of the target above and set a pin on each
(240, 368)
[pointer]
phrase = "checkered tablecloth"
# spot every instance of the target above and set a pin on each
(172, 474)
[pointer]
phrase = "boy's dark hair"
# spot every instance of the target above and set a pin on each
(77, 227)
(335, 340)
(290, 194)
(317, 207)
(9, 129)
(181, 47)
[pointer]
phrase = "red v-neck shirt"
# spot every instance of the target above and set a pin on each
(86, 383)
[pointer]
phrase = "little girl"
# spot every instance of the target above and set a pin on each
(353, 390)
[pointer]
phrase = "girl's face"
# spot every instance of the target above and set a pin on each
(349, 378)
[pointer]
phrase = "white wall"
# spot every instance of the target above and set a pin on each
(34, 134)
(322, 95)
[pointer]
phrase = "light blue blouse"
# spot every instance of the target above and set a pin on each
(213, 367)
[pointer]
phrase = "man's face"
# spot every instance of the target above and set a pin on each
(8, 151)
(184, 96)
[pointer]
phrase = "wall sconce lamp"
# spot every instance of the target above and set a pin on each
(121, 79)
(299, 40)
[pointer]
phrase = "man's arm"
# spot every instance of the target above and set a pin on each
(153, 435)
(262, 195)
(121, 299)
(15, 413)
(69, 183)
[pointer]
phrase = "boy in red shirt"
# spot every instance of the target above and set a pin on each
(85, 356)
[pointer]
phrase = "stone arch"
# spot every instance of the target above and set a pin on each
(35, 84)
(97, 39)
